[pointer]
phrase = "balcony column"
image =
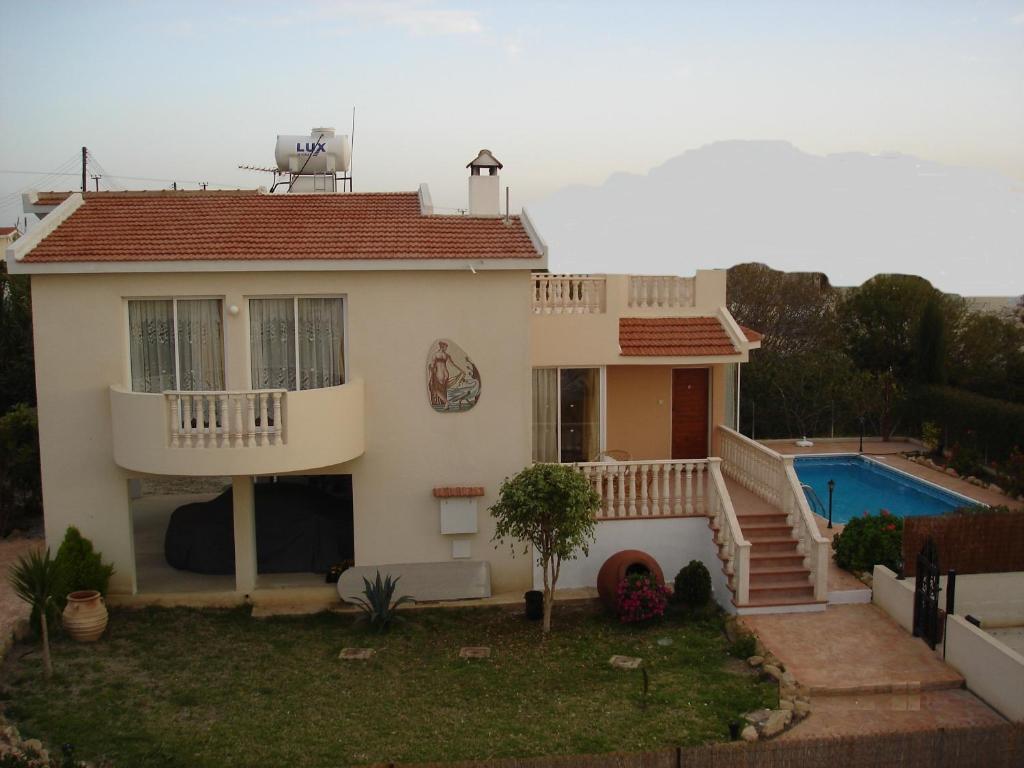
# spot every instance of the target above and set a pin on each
(244, 498)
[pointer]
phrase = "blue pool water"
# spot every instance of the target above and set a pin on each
(864, 484)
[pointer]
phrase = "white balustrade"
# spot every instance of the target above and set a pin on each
(773, 478)
(643, 489)
(225, 419)
(568, 294)
(734, 549)
(661, 291)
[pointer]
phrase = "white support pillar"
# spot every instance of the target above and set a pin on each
(244, 498)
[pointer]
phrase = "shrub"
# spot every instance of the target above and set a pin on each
(868, 541)
(20, 485)
(377, 604)
(1013, 472)
(998, 424)
(34, 578)
(693, 585)
(965, 458)
(931, 436)
(79, 566)
(744, 646)
(640, 598)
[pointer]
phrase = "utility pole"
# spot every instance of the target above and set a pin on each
(96, 179)
(85, 154)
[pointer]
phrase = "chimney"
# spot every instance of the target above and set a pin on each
(484, 189)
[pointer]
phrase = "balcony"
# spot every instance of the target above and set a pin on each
(588, 294)
(248, 432)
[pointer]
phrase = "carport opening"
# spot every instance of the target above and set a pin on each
(183, 529)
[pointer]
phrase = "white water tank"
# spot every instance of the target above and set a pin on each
(330, 154)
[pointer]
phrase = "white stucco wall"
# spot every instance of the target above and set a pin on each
(992, 670)
(81, 343)
(673, 542)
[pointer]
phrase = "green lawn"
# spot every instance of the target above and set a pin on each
(219, 688)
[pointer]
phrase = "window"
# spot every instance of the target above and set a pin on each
(566, 414)
(176, 344)
(297, 343)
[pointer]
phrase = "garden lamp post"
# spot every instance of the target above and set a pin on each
(861, 419)
(831, 487)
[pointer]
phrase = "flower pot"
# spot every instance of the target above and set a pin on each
(534, 605)
(85, 615)
(620, 565)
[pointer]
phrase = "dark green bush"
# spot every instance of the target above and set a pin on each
(965, 458)
(693, 585)
(868, 541)
(20, 485)
(1013, 473)
(744, 646)
(80, 567)
(995, 427)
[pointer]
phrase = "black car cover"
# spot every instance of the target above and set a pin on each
(299, 529)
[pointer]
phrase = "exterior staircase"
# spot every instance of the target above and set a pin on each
(779, 579)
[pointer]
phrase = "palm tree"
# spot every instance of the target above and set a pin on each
(34, 578)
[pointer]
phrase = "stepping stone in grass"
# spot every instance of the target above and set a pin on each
(475, 652)
(356, 654)
(625, 662)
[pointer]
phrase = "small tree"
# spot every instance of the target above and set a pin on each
(551, 507)
(34, 578)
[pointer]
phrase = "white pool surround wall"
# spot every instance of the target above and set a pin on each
(672, 542)
(993, 671)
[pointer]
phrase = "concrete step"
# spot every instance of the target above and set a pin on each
(781, 544)
(770, 576)
(775, 559)
(775, 592)
(762, 531)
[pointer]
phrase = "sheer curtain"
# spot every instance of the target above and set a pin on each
(272, 341)
(321, 351)
(151, 345)
(200, 344)
(545, 414)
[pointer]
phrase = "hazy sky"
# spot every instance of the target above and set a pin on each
(563, 93)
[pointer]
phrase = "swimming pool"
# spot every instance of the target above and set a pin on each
(865, 484)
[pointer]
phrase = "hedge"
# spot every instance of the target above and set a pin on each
(995, 427)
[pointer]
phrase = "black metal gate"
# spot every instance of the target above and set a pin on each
(926, 595)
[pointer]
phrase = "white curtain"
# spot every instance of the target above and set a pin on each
(545, 414)
(151, 345)
(200, 345)
(321, 362)
(272, 341)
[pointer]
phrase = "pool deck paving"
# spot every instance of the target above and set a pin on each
(854, 649)
(866, 674)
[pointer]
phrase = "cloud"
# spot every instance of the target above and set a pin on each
(1018, 19)
(422, 18)
(427, 21)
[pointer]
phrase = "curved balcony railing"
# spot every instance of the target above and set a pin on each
(237, 432)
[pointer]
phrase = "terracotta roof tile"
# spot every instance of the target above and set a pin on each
(246, 226)
(751, 334)
(674, 337)
(4, 231)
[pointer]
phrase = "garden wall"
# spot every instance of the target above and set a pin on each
(672, 541)
(976, 543)
(991, 669)
(997, 746)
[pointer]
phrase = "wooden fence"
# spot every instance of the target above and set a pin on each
(997, 746)
(985, 542)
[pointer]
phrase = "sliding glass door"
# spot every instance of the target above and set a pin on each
(176, 344)
(297, 343)
(566, 414)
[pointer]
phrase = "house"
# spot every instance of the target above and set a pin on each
(404, 360)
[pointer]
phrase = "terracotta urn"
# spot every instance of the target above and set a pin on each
(620, 565)
(85, 615)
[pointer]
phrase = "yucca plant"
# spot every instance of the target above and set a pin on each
(377, 605)
(34, 578)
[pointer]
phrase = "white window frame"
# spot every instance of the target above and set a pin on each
(177, 347)
(295, 315)
(602, 406)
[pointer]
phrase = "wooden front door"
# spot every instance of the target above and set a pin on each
(690, 413)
